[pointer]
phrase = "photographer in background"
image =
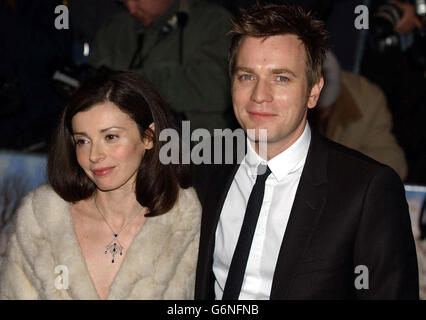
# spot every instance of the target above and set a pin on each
(180, 45)
(409, 20)
(395, 59)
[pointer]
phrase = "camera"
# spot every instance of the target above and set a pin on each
(383, 38)
(385, 19)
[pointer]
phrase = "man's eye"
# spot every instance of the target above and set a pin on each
(245, 77)
(281, 79)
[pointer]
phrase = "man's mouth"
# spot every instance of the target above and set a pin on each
(261, 115)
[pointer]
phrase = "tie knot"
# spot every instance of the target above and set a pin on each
(263, 172)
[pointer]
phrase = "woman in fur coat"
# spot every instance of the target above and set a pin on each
(116, 221)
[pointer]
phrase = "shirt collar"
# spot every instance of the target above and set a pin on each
(284, 163)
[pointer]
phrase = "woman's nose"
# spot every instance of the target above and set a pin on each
(96, 153)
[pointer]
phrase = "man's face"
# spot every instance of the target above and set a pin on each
(270, 91)
(147, 10)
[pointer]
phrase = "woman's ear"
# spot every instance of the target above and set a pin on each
(148, 141)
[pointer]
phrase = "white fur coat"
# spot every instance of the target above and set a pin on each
(160, 263)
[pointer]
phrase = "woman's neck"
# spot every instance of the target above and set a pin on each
(117, 206)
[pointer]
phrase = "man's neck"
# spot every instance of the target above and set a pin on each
(163, 18)
(275, 148)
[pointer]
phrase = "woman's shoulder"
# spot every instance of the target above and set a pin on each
(188, 194)
(185, 214)
(44, 191)
(45, 198)
(39, 207)
(188, 201)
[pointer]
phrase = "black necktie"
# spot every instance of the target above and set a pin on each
(237, 269)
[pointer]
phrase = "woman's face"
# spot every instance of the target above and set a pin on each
(108, 146)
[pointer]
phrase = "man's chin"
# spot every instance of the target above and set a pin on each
(258, 134)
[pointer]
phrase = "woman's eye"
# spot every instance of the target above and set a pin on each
(111, 137)
(80, 141)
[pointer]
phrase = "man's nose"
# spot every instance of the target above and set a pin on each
(262, 92)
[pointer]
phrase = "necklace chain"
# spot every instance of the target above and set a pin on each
(114, 246)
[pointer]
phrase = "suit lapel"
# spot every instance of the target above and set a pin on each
(216, 199)
(306, 210)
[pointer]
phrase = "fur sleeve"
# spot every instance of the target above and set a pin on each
(17, 279)
(190, 259)
(183, 285)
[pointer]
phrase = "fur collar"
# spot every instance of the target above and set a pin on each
(149, 264)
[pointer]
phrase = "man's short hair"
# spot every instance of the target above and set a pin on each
(271, 20)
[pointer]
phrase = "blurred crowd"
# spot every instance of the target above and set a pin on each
(373, 99)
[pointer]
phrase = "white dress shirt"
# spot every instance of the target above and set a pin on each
(280, 190)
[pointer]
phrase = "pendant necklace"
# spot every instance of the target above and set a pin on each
(114, 247)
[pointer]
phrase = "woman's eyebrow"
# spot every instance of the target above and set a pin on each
(110, 128)
(101, 131)
(80, 133)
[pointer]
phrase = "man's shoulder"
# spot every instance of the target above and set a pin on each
(348, 165)
(345, 153)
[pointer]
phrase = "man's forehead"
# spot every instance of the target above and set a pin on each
(288, 39)
(272, 48)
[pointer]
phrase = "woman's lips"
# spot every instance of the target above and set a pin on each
(103, 171)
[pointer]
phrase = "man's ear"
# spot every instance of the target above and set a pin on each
(315, 93)
(149, 140)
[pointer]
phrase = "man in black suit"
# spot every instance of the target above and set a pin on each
(318, 220)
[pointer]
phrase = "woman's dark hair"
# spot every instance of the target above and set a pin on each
(157, 184)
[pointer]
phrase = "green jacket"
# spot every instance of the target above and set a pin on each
(199, 87)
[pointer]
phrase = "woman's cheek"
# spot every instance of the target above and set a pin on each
(121, 152)
(127, 151)
(80, 155)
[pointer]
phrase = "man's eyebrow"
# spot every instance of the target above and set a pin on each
(283, 71)
(101, 131)
(274, 70)
(244, 69)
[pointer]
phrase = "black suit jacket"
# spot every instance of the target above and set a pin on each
(349, 210)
